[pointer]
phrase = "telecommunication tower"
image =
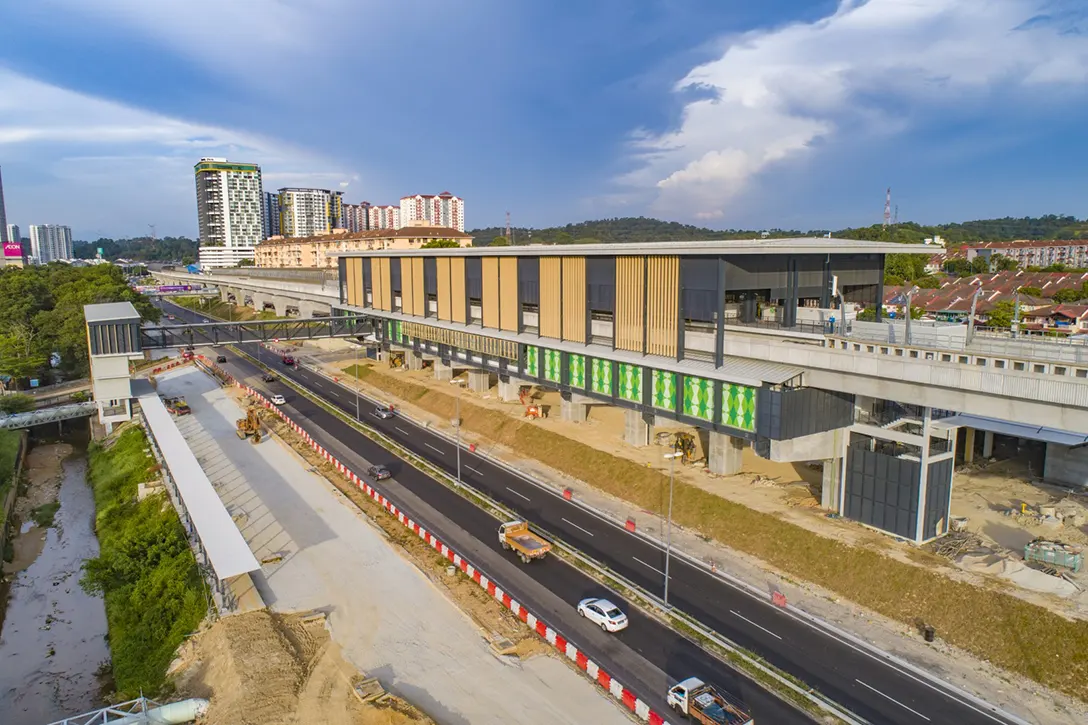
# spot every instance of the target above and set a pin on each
(509, 231)
(888, 208)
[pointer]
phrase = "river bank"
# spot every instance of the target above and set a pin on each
(51, 639)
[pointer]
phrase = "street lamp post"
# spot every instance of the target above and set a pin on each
(668, 536)
(356, 373)
(457, 425)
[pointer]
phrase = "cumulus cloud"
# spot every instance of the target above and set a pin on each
(774, 95)
(86, 150)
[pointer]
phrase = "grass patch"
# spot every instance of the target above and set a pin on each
(9, 450)
(44, 514)
(1007, 631)
(146, 572)
(215, 307)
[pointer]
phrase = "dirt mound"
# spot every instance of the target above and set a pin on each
(268, 669)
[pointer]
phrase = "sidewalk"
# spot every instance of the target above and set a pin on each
(1027, 699)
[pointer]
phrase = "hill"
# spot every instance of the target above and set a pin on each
(140, 249)
(643, 229)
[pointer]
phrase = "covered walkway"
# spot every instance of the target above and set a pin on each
(215, 537)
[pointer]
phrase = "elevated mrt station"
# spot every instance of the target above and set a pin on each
(642, 327)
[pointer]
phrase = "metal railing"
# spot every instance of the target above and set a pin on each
(48, 415)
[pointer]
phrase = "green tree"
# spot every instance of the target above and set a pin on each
(1031, 291)
(1068, 296)
(241, 263)
(440, 244)
(1001, 315)
(1005, 264)
(980, 265)
(929, 282)
(499, 241)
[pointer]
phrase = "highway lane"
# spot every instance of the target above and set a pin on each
(868, 686)
(646, 641)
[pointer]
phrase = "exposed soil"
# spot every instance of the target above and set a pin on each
(43, 474)
(268, 669)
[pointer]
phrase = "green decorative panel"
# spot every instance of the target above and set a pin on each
(664, 389)
(551, 365)
(393, 331)
(739, 407)
(602, 377)
(576, 371)
(630, 382)
(532, 361)
(698, 397)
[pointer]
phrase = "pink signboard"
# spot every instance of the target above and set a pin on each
(13, 249)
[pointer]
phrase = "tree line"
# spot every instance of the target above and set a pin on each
(42, 329)
(645, 229)
(140, 249)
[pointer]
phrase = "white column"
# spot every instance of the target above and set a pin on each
(726, 454)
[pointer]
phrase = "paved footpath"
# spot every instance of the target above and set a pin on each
(387, 616)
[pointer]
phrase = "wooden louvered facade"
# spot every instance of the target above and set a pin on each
(663, 305)
(490, 302)
(574, 299)
(508, 294)
(551, 297)
(458, 297)
(630, 303)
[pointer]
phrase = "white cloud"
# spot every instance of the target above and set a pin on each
(93, 161)
(773, 95)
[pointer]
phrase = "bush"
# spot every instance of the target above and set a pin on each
(146, 572)
(16, 403)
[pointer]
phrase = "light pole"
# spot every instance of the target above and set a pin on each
(457, 425)
(668, 536)
(356, 372)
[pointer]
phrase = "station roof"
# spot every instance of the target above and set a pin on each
(793, 245)
(227, 551)
(1018, 430)
(111, 312)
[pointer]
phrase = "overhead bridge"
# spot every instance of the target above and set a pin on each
(264, 330)
(48, 415)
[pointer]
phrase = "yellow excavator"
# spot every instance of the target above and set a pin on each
(396, 359)
(250, 426)
(680, 441)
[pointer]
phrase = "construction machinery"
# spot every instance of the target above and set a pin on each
(532, 410)
(396, 359)
(681, 442)
(250, 426)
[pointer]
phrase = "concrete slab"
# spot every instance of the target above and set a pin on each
(387, 616)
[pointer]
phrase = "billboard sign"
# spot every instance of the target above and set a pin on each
(13, 249)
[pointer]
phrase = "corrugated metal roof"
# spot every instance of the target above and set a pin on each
(799, 245)
(110, 312)
(227, 551)
(1017, 430)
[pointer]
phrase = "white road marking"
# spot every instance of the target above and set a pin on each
(584, 531)
(517, 493)
(401, 430)
(754, 624)
(640, 561)
(892, 699)
(477, 470)
(434, 449)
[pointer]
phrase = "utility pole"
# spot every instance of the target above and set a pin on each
(457, 424)
(668, 536)
(971, 319)
(356, 373)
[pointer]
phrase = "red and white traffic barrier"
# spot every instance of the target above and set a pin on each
(541, 628)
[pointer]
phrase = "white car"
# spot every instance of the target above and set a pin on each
(278, 399)
(603, 613)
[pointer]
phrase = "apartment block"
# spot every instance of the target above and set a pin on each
(317, 252)
(309, 212)
(385, 217)
(442, 210)
(50, 243)
(230, 209)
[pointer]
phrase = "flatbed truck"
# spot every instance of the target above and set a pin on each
(527, 545)
(704, 704)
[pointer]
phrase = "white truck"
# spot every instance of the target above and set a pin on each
(704, 704)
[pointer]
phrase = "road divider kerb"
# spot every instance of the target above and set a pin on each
(549, 634)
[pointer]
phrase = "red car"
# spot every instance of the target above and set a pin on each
(288, 360)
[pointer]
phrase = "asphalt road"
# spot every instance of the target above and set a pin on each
(870, 687)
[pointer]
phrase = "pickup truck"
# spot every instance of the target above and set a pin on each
(704, 704)
(528, 546)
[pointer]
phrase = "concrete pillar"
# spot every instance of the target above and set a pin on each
(636, 431)
(510, 391)
(280, 303)
(726, 453)
(223, 292)
(413, 360)
(832, 479)
(442, 371)
(968, 445)
(479, 381)
(259, 301)
(305, 308)
(988, 444)
(573, 411)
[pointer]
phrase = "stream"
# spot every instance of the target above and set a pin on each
(53, 643)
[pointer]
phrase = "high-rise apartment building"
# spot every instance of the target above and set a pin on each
(50, 243)
(357, 217)
(384, 217)
(3, 216)
(229, 204)
(443, 210)
(270, 213)
(310, 212)
(14, 233)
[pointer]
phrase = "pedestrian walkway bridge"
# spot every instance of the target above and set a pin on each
(48, 415)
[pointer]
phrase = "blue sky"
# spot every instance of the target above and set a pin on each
(725, 113)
